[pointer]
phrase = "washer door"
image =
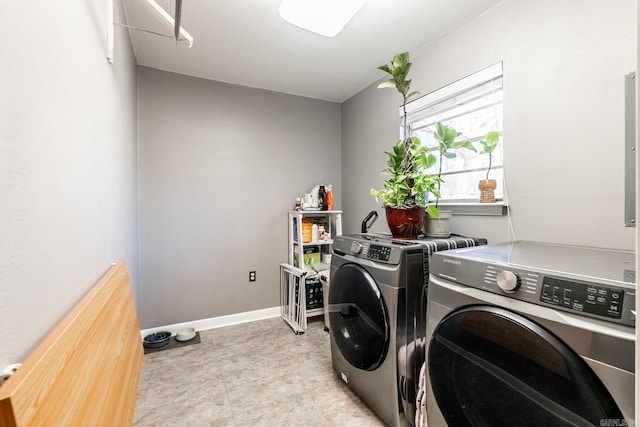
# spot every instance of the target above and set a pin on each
(358, 318)
(492, 367)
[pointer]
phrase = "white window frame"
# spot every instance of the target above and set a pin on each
(430, 104)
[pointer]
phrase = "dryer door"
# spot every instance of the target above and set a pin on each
(491, 367)
(358, 318)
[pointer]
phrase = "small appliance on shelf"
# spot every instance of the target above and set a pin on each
(320, 199)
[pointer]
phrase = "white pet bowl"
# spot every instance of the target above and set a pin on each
(186, 334)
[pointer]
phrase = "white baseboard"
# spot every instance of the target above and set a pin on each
(217, 322)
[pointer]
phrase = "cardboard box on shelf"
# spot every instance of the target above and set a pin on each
(307, 226)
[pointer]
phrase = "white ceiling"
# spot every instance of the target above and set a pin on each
(246, 42)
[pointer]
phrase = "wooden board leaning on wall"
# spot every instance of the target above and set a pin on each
(86, 372)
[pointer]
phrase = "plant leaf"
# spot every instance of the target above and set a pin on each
(387, 84)
(432, 211)
(385, 68)
(468, 145)
(412, 94)
(492, 137)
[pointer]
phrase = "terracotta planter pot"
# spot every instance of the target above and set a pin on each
(487, 187)
(405, 223)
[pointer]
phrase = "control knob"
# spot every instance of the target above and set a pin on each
(357, 248)
(508, 281)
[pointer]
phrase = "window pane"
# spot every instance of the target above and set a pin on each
(474, 111)
(464, 186)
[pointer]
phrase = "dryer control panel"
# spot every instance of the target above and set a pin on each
(613, 302)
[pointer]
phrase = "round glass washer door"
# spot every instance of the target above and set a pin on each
(491, 367)
(358, 318)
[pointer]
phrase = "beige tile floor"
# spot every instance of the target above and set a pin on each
(253, 374)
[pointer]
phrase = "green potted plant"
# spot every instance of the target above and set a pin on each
(407, 185)
(448, 145)
(487, 186)
(445, 136)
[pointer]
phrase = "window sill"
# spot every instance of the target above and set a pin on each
(474, 208)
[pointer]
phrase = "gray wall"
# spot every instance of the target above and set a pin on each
(68, 155)
(220, 166)
(564, 66)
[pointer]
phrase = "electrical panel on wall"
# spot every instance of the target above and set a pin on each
(630, 150)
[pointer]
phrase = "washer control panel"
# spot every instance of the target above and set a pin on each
(379, 253)
(588, 298)
(375, 251)
(602, 300)
(573, 295)
(371, 251)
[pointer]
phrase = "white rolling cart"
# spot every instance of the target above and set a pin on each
(304, 264)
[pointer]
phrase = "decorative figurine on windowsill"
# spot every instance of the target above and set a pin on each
(487, 186)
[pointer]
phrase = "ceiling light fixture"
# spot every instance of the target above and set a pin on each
(324, 17)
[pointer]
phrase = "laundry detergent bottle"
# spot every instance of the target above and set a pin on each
(329, 198)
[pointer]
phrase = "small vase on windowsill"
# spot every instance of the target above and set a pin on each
(487, 187)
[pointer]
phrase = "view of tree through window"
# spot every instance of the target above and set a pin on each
(473, 106)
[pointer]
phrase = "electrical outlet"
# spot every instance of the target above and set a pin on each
(252, 276)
